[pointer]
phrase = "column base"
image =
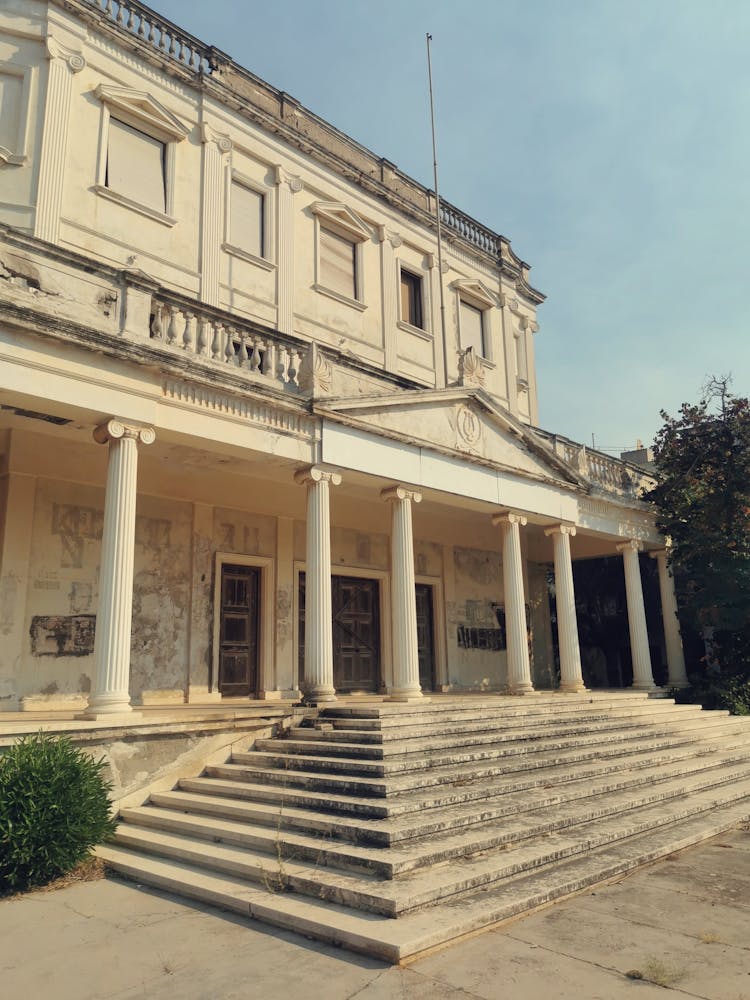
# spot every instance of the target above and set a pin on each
(644, 686)
(116, 718)
(572, 687)
(319, 696)
(105, 705)
(678, 684)
(406, 697)
(520, 689)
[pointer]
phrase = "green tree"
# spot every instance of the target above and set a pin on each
(702, 460)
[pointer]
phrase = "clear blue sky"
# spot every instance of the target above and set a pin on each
(608, 140)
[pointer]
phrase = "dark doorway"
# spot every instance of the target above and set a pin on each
(426, 636)
(238, 634)
(356, 632)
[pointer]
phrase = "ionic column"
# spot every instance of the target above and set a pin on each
(673, 639)
(643, 677)
(519, 669)
(64, 62)
(111, 693)
(403, 596)
(571, 678)
(318, 679)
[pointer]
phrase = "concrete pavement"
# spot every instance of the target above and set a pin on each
(682, 923)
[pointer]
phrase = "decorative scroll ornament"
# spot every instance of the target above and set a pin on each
(315, 373)
(471, 370)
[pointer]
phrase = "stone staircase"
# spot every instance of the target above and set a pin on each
(448, 816)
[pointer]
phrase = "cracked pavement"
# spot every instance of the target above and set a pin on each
(683, 923)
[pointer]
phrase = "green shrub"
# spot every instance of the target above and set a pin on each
(54, 807)
(731, 693)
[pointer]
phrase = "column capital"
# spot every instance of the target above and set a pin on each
(223, 142)
(508, 517)
(633, 544)
(401, 493)
(561, 529)
(296, 184)
(314, 474)
(113, 429)
(73, 57)
(659, 553)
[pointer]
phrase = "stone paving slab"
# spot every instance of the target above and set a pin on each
(112, 940)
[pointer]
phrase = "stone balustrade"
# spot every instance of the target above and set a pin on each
(164, 36)
(205, 333)
(612, 474)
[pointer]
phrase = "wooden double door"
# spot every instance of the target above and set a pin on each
(356, 633)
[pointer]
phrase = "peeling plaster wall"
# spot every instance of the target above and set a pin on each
(63, 593)
(478, 588)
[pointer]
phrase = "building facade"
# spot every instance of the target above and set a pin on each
(241, 457)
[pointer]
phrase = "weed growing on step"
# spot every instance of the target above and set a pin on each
(54, 807)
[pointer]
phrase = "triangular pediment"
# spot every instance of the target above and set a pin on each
(341, 217)
(142, 110)
(457, 421)
(476, 291)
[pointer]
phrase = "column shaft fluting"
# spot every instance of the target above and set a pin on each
(519, 668)
(114, 618)
(571, 678)
(672, 637)
(318, 680)
(643, 677)
(403, 596)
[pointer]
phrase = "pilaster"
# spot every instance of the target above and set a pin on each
(389, 243)
(643, 677)
(64, 62)
(673, 640)
(403, 596)
(571, 678)
(318, 680)
(287, 185)
(111, 694)
(216, 148)
(202, 688)
(519, 667)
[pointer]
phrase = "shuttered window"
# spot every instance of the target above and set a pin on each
(471, 321)
(338, 263)
(246, 219)
(135, 165)
(411, 299)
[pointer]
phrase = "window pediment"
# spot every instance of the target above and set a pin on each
(339, 217)
(475, 292)
(138, 108)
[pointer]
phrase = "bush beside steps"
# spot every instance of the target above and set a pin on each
(54, 807)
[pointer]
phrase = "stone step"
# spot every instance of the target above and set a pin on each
(529, 704)
(371, 732)
(534, 820)
(296, 765)
(433, 885)
(428, 817)
(395, 727)
(322, 743)
(415, 933)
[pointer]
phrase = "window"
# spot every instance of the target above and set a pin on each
(411, 299)
(137, 159)
(246, 219)
(471, 326)
(135, 165)
(338, 263)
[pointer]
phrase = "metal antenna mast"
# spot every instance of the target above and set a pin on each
(437, 214)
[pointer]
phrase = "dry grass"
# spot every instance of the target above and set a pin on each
(657, 972)
(90, 870)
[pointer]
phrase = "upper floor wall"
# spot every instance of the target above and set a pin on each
(130, 142)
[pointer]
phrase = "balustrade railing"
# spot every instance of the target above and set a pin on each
(604, 470)
(165, 37)
(196, 331)
(471, 230)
